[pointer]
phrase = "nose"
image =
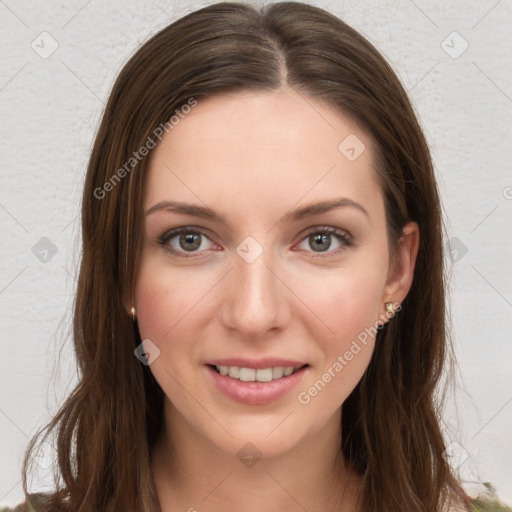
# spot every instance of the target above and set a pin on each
(256, 301)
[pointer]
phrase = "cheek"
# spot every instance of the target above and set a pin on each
(169, 304)
(165, 299)
(351, 314)
(347, 300)
(328, 388)
(153, 301)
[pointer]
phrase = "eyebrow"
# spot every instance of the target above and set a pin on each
(314, 209)
(295, 215)
(187, 209)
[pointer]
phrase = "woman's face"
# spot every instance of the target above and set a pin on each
(262, 289)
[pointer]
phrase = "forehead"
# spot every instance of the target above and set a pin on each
(255, 148)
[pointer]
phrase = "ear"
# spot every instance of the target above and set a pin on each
(401, 269)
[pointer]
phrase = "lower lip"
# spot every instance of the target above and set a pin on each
(255, 393)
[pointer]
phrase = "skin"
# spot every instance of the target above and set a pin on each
(252, 157)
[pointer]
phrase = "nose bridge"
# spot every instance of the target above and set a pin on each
(255, 301)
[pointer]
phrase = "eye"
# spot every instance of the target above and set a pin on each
(181, 241)
(321, 240)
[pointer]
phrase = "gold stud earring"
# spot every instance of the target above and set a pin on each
(390, 307)
(132, 311)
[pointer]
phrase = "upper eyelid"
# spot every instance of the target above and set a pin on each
(344, 234)
(340, 233)
(321, 228)
(170, 234)
(313, 229)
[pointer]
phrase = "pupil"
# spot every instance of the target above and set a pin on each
(190, 238)
(322, 241)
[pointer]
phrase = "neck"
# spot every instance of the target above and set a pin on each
(191, 473)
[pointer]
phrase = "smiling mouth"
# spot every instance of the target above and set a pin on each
(256, 375)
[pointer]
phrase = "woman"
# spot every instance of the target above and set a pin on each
(260, 313)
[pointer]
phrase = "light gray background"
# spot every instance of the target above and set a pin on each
(51, 108)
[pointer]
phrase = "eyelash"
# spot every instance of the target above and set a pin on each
(343, 236)
(178, 231)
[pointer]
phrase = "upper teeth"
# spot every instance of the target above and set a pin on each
(252, 374)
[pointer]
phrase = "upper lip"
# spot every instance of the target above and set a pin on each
(266, 362)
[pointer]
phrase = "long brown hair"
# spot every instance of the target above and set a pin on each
(105, 431)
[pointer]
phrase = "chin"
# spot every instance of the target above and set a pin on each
(257, 445)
